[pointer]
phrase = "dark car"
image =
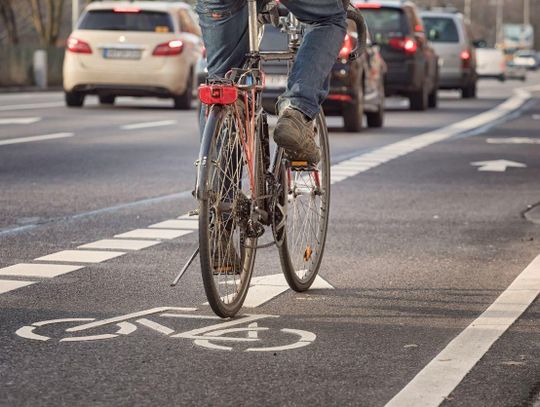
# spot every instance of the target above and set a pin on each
(412, 63)
(356, 87)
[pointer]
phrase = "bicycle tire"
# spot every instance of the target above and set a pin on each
(225, 288)
(301, 257)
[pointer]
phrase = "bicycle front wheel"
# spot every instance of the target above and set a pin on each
(227, 254)
(306, 197)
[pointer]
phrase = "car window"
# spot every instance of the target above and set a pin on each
(122, 20)
(441, 29)
(385, 23)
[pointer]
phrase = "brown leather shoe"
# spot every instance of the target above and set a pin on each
(296, 135)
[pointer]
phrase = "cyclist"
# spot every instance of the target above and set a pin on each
(224, 24)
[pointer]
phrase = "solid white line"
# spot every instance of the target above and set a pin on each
(38, 270)
(165, 234)
(155, 326)
(35, 138)
(9, 285)
(120, 244)
(20, 120)
(147, 125)
(81, 256)
(28, 106)
(442, 375)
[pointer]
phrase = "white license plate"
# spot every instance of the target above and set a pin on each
(114, 53)
(276, 81)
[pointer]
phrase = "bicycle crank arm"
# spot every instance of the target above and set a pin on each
(177, 279)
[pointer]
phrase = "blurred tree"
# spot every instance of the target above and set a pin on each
(10, 23)
(47, 18)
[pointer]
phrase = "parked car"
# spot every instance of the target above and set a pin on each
(412, 62)
(528, 59)
(133, 49)
(491, 63)
(356, 88)
(452, 40)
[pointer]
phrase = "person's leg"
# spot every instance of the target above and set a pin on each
(225, 35)
(308, 82)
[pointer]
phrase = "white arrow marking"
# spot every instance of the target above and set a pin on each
(20, 120)
(514, 140)
(497, 165)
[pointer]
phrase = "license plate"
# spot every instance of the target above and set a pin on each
(114, 53)
(276, 81)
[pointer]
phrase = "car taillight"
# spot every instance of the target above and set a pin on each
(218, 94)
(174, 47)
(78, 46)
(408, 45)
(347, 47)
(368, 5)
(465, 59)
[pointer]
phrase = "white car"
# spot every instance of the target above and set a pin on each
(133, 49)
(491, 63)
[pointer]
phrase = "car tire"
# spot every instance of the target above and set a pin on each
(376, 119)
(183, 101)
(419, 100)
(433, 98)
(107, 99)
(469, 92)
(74, 99)
(502, 78)
(353, 115)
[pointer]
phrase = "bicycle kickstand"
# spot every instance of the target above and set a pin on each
(177, 279)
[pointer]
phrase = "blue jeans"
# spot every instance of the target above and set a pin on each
(224, 24)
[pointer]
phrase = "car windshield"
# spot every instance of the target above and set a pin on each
(441, 29)
(385, 23)
(136, 20)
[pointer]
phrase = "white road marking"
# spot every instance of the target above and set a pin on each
(536, 116)
(10, 285)
(35, 138)
(28, 106)
(177, 224)
(38, 270)
(147, 125)
(443, 374)
(513, 140)
(189, 217)
(155, 326)
(165, 234)
(120, 244)
(20, 120)
(497, 165)
(81, 256)
(265, 288)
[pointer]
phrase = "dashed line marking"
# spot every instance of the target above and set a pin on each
(165, 234)
(120, 244)
(38, 270)
(176, 224)
(31, 139)
(81, 256)
(10, 285)
(148, 125)
(20, 120)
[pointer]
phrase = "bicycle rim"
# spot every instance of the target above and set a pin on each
(307, 200)
(227, 255)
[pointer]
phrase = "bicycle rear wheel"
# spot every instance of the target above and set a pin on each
(306, 197)
(227, 254)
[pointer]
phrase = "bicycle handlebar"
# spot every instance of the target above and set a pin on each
(361, 28)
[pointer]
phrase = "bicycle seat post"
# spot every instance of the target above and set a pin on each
(253, 27)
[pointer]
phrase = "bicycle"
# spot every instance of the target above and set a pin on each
(243, 189)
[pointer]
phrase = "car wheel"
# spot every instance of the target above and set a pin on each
(183, 101)
(433, 98)
(376, 119)
(353, 115)
(74, 99)
(107, 99)
(502, 78)
(419, 99)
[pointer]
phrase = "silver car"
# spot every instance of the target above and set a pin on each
(451, 37)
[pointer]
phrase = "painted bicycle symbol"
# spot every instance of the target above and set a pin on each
(223, 335)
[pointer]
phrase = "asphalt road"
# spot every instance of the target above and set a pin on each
(419, 247)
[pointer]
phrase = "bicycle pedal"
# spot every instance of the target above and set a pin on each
(302, 166)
